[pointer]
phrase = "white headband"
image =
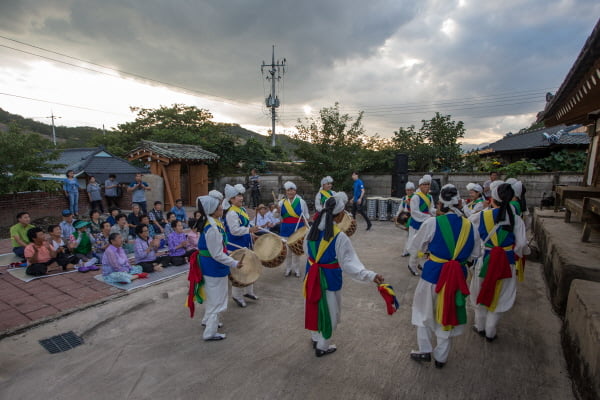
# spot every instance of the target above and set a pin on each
(494, 189)
(289, 185)
(327, 179)
(453, 201)
(475, 187)
(426, 179)
(516, 185)
(409, 185)
(211, 202)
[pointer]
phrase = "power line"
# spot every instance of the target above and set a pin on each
(181, 88)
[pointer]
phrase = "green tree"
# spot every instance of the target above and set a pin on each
(563, 160)
(331, 145)
(434, 146)
(25, 156)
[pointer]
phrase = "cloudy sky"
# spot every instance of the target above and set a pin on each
(488, 63)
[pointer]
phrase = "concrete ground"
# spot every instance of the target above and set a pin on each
(145, 346)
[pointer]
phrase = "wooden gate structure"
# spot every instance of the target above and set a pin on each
(183, 167)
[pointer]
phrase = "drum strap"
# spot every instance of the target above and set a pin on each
(426, 201)
(290, 208)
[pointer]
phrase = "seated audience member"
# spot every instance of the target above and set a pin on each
(133, 219)
(179, 211)
(64, 253)
(157, 217)
(112, 218)
(123, 229)
(145, 251)
(193, 235)
(40, 254)
(169, 226)
(273, 216)
(84, 243)
(262, 219)
(18, 233)
(66, 226)
(115, 264)
(95, 222)
(197, 215)
(178, 244)
(101, 239)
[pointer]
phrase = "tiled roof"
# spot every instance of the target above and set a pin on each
(176, 151)
(98, 162)
(556, 135)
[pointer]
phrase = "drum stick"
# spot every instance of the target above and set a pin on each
(235, 245)
(274, 198)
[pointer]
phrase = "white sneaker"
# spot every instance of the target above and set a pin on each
(287, 273)
(90, 262)
(217, 336)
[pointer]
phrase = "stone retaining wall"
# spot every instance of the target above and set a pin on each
(581, 336)
(538, 185)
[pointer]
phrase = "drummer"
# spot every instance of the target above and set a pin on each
(421, 208)
(214, 263)
(294, 213)
(409, 189)
(329, 250)
(477, 201)
(239, 234)
(323, 194)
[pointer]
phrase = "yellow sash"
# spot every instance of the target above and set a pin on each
(425, 199)
(241, 211)
(322, 247)
(289, 208)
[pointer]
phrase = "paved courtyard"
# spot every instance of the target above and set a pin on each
(144, 345)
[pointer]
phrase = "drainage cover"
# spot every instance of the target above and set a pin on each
(62, 342)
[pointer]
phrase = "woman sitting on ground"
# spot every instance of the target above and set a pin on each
(178, 244)
(115, 264)
(101, 239)
(64, 255)
(145, 251)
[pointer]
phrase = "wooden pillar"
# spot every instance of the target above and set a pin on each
(169, 199)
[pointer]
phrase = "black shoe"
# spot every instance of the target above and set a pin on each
(421, 357)
(314, 344)
(412, 271)
(369, 227)
(251, 296)
(477, 331)
(321, 353)
(419, 267)
(491, 339)
(240, 303)
(439, 365)
(220, 325)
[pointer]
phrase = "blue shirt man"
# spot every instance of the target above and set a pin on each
(358, 199)
(138, 189)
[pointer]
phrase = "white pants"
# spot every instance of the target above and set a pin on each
(216, 290)
(239, 292)
(413, 260)
(292, 261)
(334, 304)
(486, 320)
(441, 350)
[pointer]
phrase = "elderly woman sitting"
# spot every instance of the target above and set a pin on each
(145, 251)
(115, 265)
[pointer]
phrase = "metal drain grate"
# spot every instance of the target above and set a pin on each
(62, 342)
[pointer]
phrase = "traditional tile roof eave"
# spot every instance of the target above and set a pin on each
(168, 152)
(579, 94)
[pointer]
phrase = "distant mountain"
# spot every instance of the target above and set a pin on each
(69, 136)
(469, 147)
(281, 140)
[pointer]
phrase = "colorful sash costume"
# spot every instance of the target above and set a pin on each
(323, 273)
(474, 203)
(450, 248)
(405, 206)
(244, 240)
(498, 257)
(325, 194)
(201, 264)
(425, 201)
(291, 213)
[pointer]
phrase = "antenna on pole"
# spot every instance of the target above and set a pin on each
(275, 72)
(52, 116)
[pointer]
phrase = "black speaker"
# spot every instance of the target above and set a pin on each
(398, 184)
(400, 164)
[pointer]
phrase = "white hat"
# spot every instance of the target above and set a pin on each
(289, 185)
(409, 185)
(494, 189)
(231, 192)
(211, 202)
(341, 198)
(327, 179)
(453, 201)
(516, 185)
(475, 187)
(426, 179)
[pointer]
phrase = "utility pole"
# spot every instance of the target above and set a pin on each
(275, 72)
(52, 116)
